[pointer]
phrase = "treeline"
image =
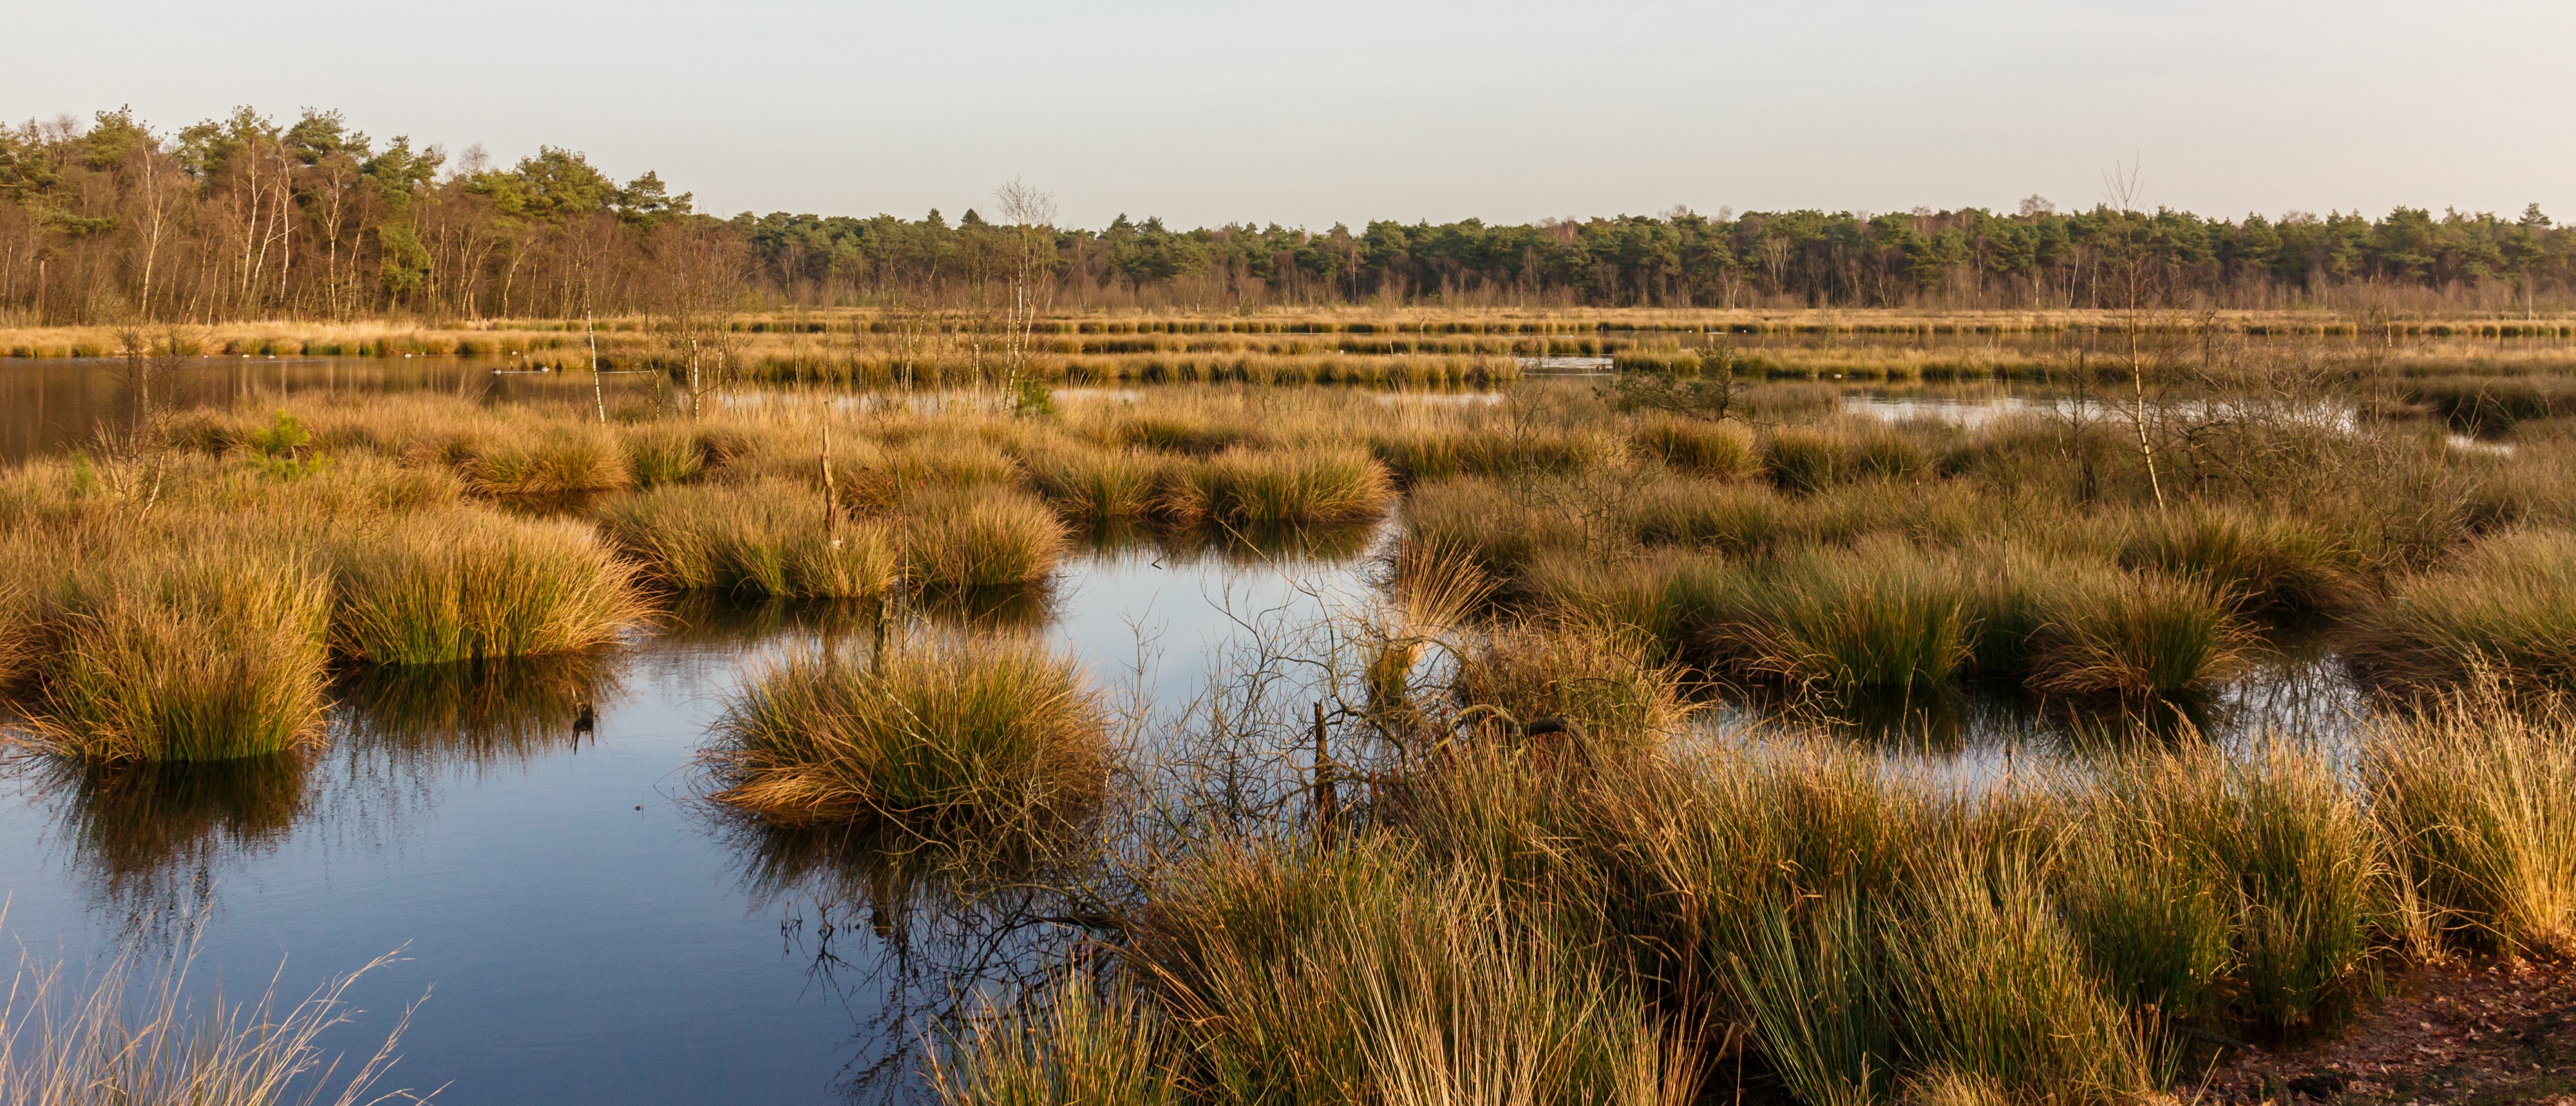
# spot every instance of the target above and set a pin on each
(244, 217)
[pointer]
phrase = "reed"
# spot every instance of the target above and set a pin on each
(978, 538)
(2478, 798)
(766, 538)
(472, 584)
(2508, 604)
(205, 653)
(976, 736)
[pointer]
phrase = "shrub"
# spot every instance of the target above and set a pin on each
(977, 735)
(473, 584)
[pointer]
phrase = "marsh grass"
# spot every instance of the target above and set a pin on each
(136, 1034)
(1094, 485)
(554, 462)
(1599, 681)
(434, 589)
(1996, 988)
(2478, 798)
(209, 653)
(1811, 983)
(1720, 450)
(2131, 634)
(1356, 975)
(2292, 846)
(976, 736)
(978, 538)
(1879, 618)
(1079, 1047)
(2272, 563)
(1277, 486)
(2508, 604)
(767, 538)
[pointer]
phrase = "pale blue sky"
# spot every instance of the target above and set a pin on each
(1339, 110)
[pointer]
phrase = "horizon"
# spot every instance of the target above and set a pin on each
(1525, 112)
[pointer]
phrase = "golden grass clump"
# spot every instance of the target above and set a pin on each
(1093, 484)
(556, 461)
(2478, 798)
(767, 538)
(2105, 632)
(1600, 682)
(2508, 604)
(978, 538)
(471, 584)
(974, 735)
(2271, 562)
(1243, 486)
(1723, 450)
(206, 653)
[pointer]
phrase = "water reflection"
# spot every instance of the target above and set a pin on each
(477, 713)
(153, 838)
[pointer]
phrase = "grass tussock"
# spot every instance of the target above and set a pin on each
(2479, 797)
(2269, 562)
(2508, 604)
(207, 654)
(1255, 487)
(1719, 450)
(973, 736)
(476, 584)
(769, 539)
(1600, 683)
(978, 538)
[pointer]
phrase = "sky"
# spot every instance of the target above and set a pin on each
(1332, 111)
